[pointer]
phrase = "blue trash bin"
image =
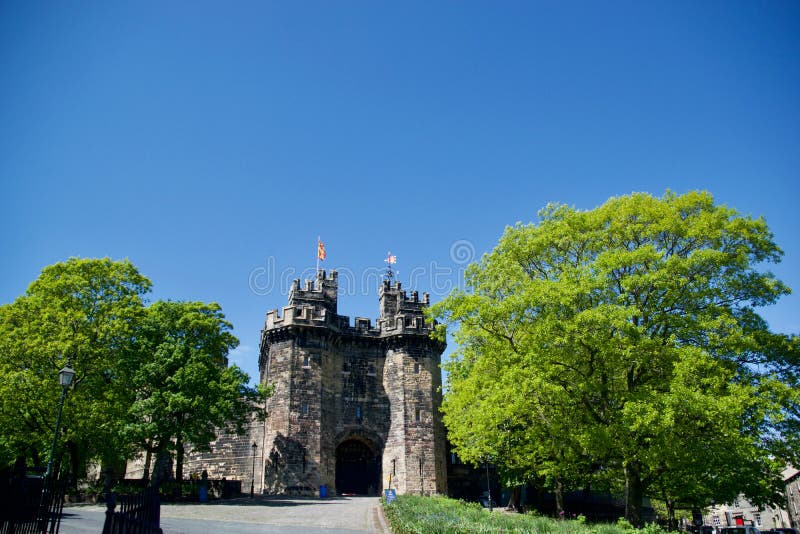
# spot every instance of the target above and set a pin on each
(323, 491)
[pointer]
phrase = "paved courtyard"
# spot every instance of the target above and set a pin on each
(342, 515)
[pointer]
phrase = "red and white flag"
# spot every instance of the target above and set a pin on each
(321, 254)
(391, 260)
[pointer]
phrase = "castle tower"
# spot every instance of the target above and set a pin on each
(352, 404)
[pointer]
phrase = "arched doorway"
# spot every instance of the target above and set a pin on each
(357, 468)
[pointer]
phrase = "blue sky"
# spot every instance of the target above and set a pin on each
(210, 143)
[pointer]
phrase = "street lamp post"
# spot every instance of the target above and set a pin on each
(253, 480)
(65, 377)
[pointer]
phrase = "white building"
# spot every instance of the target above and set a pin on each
(742, 512)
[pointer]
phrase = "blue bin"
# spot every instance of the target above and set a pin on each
(323, 491)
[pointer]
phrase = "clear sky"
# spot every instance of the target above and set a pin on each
(211, 142)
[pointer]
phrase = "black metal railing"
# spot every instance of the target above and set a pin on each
(31, 503)
(137, 514)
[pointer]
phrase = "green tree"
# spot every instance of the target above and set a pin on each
(185, 391)
(84, 311)
(622, 332)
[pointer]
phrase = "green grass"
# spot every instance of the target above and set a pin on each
(413, 514)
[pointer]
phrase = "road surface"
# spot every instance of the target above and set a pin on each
(290, 515)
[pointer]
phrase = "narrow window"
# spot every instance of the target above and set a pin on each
(358, 414)
(417, 415)
(304, 409)
(416, 368)
(306, 361)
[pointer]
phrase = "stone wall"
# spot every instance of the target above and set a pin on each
(231, 457)
(791, 478)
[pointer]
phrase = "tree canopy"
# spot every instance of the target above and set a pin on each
(152, 376)
(623, 345)
(185, 392)
(86, 312)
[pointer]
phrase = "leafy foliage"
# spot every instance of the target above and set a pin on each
(84, 311)
(185, 392)
(415, 514)
(152, 377)
(622, 346)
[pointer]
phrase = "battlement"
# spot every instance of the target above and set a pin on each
(314, 317)
(298, 314)
(315, 306)
(395, 301)
(321, 292)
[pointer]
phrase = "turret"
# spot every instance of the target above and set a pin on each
(398, 311)
(321, 293)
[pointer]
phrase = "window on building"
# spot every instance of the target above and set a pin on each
(757, 519)
(306, 360)
(304, 409)
(417, 415)
(416, 368)
(717, 522)
(358, 414)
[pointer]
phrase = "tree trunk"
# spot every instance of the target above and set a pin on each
(74, 464)
(148, 456)
(514, 501)
(633, 494)
(559, 491)
(672, 524)
(179, 451)
(162, 470)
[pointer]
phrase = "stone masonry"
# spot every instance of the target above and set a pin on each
(353, 404)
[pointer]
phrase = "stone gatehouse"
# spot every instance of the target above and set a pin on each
(354, 404)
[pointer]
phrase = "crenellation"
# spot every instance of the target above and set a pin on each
(363, 324)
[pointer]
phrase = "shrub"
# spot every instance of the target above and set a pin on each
(414, 514)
